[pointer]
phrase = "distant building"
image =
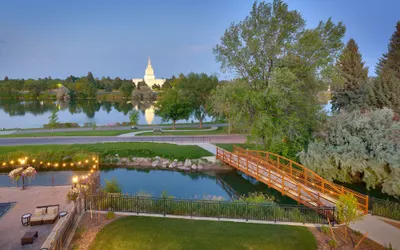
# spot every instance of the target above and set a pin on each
(149, 77)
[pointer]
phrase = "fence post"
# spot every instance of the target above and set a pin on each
(137, 205)
(218, 210)
(247, 211)
(164, 206)
(191, 208)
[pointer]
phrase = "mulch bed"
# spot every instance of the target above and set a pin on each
(344, 244)
(87, 229)
(392, 223)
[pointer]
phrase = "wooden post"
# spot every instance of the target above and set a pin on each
(330, 227)
(269, 176)
(283, 184)
(365, 235)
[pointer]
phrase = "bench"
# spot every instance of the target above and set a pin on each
(157, 130)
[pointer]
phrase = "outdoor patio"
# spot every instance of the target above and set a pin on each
(11, 229)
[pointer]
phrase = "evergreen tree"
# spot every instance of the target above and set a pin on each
(6, 78)
(350, 94)
(386, 87)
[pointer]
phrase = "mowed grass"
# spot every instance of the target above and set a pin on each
(219, 131)
(174, 234)
(123, 149)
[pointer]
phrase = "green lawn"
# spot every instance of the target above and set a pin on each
(165, 233)
(56, 153)
(220, 130)
(229, 146)
(71, 133)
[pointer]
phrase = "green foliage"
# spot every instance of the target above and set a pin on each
(358, 146)
(126, 89)
(134, 116)
(110, 215)
(85, 89)
(278, 63)
(112, 187)
(53, 119)
(332, 243)
(325, 230)
(174, 106)
(197, 89)
(256, 198)
(386, 209)
(346, 207)
(385, 89)
(349, 91)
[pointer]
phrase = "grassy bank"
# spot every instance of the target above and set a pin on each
(162, 233)
(219, 131)
(70, 133)
(78, 152)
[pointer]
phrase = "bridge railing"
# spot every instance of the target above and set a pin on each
(273, 177)
(307, 177)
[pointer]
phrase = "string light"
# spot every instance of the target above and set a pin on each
(33, 160)
(4, 163)
(48, 164)
(71, 164)
(56, 165)
(64, 164)
(93, 158)
(12, 162)
(79, 162)
(86, 161)
(41, 162)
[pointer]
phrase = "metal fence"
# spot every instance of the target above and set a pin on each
(384, 208)
(208, 208)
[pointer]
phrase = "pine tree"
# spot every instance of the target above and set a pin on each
(6, 78)
(351, 93)
(387, 86)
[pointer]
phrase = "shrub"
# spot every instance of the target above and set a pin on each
(332, 243)
(112, 187)
(358, 146)
(325, 230)
(110, 215)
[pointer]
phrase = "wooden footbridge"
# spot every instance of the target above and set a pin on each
(288, 177)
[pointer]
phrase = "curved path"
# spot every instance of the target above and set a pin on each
(30, 131)
(103, 139)
(213, 128)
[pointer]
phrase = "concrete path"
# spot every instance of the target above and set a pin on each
(213, 128)
(378, 230)
(7, 132)
(102, 128)
(104, 139)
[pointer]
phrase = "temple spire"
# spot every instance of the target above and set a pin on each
(149, 63)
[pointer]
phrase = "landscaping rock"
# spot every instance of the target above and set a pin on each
(188, 163)
(180, 164)
(157, 157)
(194, 167)
(154, 163)
(171, 165)
(200, 167)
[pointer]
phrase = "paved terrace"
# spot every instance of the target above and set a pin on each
(11, 229)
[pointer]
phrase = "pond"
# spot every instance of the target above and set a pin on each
(33, 114)
(228, 185)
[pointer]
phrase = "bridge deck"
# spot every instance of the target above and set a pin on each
(289, 178)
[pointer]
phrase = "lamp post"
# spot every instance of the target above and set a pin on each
(74, 181)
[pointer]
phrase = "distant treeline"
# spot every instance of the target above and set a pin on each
(86, 87)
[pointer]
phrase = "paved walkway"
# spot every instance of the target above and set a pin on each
(378, 230)
(11, 229)
(213, 128)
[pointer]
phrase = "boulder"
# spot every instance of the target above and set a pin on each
(170, 165)
(200, 167)
(154, 163)
(157, 157)
(175, 163)
(188, 163)
(194, 167)
(180, 164)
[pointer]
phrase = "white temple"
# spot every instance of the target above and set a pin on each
(149, 77)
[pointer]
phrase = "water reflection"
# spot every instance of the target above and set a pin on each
(33, 114)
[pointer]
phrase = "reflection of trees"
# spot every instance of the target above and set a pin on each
(123, 107)
(106, 106)
(17, 108)
(90, 107)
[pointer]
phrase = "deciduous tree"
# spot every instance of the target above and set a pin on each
(173, 106)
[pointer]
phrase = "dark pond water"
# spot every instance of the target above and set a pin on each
(179, 184)
(33, 114)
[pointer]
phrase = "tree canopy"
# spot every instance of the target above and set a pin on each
(278, 63)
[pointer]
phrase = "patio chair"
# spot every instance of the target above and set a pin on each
(51, 215)
(37, 216)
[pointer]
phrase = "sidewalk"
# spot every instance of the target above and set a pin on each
(378, 230)
(213, 128)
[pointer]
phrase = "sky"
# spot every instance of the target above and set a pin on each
(114, 38)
